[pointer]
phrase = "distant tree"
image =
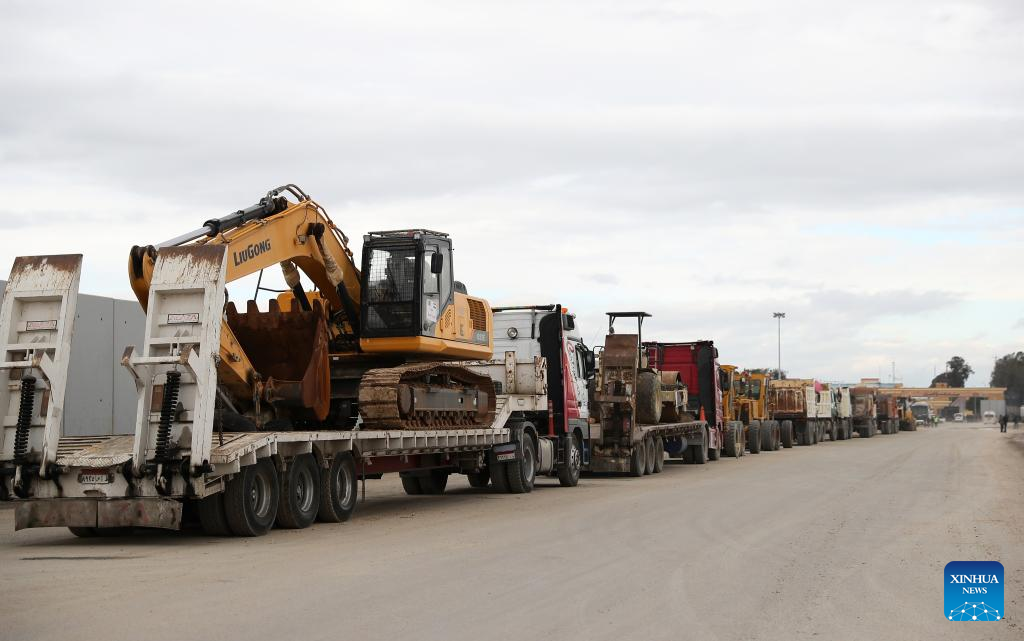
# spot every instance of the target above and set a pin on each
(772, 372)
(956, 374)
(1009, 373)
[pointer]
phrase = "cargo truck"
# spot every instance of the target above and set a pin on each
(842, 411)
(807, 405)
(539, 351)
(697, 365)
(887, 413)
(640, 409)
(245, 482)
(865, 415)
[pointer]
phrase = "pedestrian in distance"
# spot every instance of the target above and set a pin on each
(1003, 420)
(1016, 421)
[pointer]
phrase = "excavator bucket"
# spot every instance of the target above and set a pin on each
(289, 350)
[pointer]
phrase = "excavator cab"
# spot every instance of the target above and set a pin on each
(411, 302)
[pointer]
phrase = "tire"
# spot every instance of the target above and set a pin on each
(754, 437)
(649, 456)
(833, 432)
(251, 499)
(776, 436)
(730, 441)
(638, 459)
(479, 479)
(699, 453)
(411, 484)
(786, 434)
(767, 436)
(659, 455)
(521, 476)
(648, 398)
(569, 472)
(300, 493)
(212, 517)
(338, 490)
(499, 477)
(433, 482)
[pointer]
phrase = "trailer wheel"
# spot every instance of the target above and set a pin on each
(434, 482)
(411, 484)
(479, 479)
(699, 453)
(638, 459)
(523, 473)
(251, 498)
(212, 517)
(786, 433)
(649, 468)
(338, 490)
(569, 472)
(300, 493)
(659, 455)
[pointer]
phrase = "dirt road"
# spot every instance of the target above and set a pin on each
(838, 541)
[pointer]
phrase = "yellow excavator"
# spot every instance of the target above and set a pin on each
(376, 342)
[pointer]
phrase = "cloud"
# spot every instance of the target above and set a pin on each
(856, 165)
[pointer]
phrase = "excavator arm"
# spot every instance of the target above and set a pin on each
(297, 236)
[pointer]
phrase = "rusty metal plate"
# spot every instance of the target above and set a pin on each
(620, 350)
(55, 513)
(149, 512)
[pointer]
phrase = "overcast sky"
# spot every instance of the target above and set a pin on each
(857, 165)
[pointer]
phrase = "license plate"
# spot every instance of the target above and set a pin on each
(93, 478)
(510, 456)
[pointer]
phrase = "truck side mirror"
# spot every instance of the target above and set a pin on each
(589, 362)
(436, 263)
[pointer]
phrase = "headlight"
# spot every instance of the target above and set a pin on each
(513, 332)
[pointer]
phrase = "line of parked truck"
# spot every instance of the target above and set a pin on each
(250, 421)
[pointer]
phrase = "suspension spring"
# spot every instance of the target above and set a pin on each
(24, 424)
(167, 411)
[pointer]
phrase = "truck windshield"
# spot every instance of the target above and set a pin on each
(919, 411)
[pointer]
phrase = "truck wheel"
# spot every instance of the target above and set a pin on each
(338, 490)
(699, 453)
(569, 472)
(776, 436)
(730, 441)
(648, 398)
(767, 436)
(211, 516)
(786, 434)
(300, 493)
(479, 479)
(251, 498)
(411, 484)
(659, 455)
(754, 437)
(649, 455)
(638, 459)
(523, 473)
(433, 482)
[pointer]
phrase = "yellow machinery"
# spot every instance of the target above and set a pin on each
(372, 341)
(745, 400)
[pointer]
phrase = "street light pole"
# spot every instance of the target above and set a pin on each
(779, 316)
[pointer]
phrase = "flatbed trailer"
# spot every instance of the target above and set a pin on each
(641, 410)
(239, 482)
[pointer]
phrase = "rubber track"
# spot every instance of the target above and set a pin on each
(378, 397)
